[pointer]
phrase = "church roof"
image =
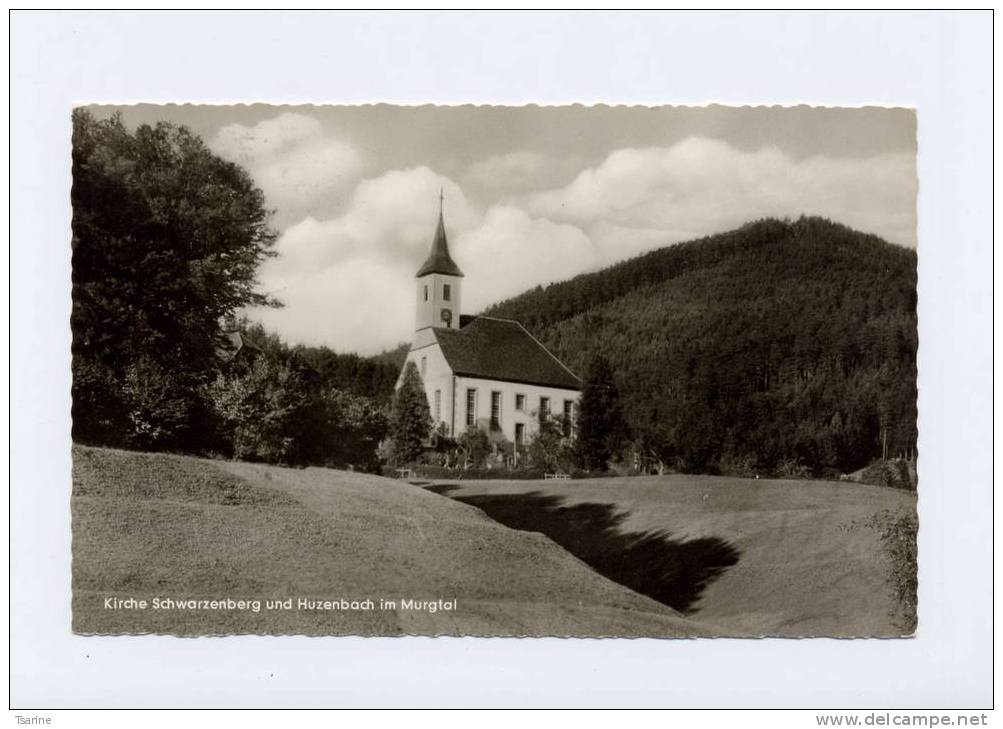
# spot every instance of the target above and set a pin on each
(439, 260)
(501, 349)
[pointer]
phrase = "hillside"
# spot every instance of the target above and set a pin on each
(154, 525)
(752, 557)
(780, 347)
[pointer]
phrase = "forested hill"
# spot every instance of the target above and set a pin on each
(782, 346)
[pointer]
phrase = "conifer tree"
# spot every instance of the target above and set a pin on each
(601, 427)
(410, 419)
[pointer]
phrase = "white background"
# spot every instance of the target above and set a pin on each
(939, 63)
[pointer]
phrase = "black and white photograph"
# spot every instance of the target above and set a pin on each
(502, 371)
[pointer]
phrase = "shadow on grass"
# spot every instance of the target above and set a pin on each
(672, 571)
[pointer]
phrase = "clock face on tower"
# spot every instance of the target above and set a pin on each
(447, 317)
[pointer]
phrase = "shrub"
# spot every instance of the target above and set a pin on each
(745, 467)
(435, 472)
(261, 409)
(432, 472)
(549, 449)
(791, 468)
(893, 473)
(474, 448)
(158, 403)
(898, 536)
(98, 411)
(353, 429)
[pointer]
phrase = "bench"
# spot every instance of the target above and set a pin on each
(559, 476)
(404, 473)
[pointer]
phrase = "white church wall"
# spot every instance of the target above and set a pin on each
(437, 376)
(510, 416)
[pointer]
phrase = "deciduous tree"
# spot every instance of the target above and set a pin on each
(167, 238)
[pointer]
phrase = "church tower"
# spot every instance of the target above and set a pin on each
(439, 278)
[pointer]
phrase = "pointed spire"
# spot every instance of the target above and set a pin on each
(439, 260)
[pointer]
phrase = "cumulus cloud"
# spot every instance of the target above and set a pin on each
(507, 170)
(348, 281)
(347, 277)
(300, 168)
(510, 252)
(358, 305)
(517, 172)
(700, 186)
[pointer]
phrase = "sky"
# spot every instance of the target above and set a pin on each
(531, 194)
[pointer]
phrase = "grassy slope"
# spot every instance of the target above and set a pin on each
(808, 565)
(149, 525)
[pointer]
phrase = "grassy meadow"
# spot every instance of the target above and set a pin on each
(748, 556)
(657, 556)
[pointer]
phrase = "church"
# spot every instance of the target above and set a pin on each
(481, 371)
